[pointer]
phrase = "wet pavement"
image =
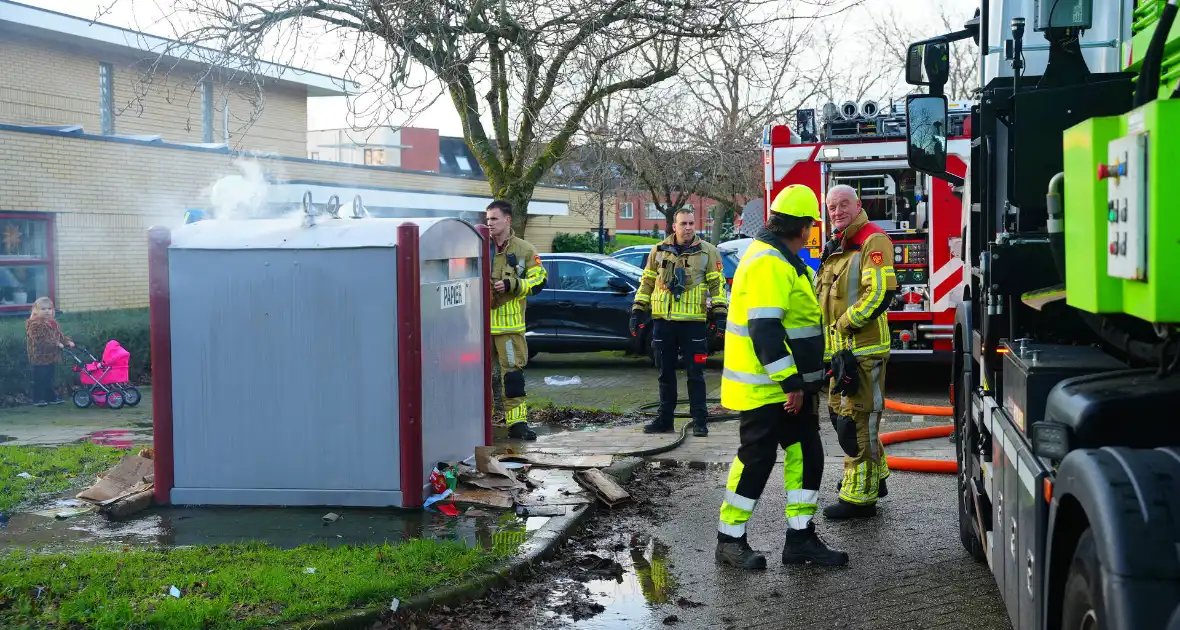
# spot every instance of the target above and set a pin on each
(656, 568)
(65, 423)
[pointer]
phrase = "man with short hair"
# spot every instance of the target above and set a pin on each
(682, 274)
(856, 283)
(774, 347)
(517, 273)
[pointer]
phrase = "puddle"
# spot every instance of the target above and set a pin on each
(119, 438)
(6, 438)
(282, 527)
(631, 577)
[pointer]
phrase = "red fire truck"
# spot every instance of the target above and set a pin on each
(864, 146)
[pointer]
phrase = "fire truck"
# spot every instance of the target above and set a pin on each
(863, 145)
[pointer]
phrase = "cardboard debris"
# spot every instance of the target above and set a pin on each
(489, 465)
(132, 504)
(126, 478)
(603, 486)
(480, 496)
(560, 461)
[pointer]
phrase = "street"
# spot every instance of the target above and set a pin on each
(651, 565)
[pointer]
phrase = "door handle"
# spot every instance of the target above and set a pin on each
(564, 304)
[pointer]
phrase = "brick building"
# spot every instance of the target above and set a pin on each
(91, 156)
(637, 214)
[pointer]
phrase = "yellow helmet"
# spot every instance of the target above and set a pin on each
(796, 200)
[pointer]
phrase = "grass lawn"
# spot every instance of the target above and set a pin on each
(246, 585)
(630, 240)
(53, 470)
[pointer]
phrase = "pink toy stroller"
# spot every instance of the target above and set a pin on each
(108, 379)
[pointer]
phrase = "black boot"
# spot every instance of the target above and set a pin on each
(843, 510)
(803, 546)
(700, 428)
(521, 431)
(737, 552)
(659, 426)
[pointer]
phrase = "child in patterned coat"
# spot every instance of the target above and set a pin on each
(44, 341)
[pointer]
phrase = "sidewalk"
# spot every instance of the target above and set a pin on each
(65, 423)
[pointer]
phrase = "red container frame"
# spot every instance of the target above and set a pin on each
(409, 320)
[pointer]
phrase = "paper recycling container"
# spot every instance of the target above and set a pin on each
(330, 364)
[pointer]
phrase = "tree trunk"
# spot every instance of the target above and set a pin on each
(519, 194)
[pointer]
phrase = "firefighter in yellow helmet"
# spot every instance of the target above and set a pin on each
(856, 283)
(773, 373)
(517, 273)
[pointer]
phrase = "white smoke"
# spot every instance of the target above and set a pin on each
(240, 196)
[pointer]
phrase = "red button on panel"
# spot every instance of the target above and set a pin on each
(1103, 172)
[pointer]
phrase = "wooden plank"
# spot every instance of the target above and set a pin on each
(602, 486)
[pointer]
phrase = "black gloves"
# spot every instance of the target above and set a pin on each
(638, 322)
(719, 323)
(844, 371)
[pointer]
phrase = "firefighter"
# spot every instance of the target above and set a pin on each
(682, 272)
(773, 374)
(856, 283)
(517, 273)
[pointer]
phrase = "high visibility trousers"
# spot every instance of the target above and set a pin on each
(762, 431)
(512, 354)
(857, 421)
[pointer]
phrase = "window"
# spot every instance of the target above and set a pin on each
(26, 259)
(627, 210)
(577, 276)
(314, 155)
(637, 258)
(653, 212)
(461, 160)
(375, 157)
(106, 98)
(207, 110)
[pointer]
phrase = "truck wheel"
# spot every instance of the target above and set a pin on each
(960, 379)
(1081, 607)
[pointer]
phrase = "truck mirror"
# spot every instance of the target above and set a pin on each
(928, 63)
(926, 132)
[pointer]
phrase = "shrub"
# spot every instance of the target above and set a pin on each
(88, 330)
(564, 242)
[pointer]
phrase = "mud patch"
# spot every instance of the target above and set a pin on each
(573, 418)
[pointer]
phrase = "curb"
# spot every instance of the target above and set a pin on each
(537, 549)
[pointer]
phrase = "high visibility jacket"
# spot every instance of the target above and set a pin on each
(855, 284)
(677, 281)
(516, 263)
(773, 339)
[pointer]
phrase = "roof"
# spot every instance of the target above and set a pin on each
(96, 34)
(288, 233)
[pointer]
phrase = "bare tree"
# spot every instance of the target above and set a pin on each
(521, 74)
(893, 37)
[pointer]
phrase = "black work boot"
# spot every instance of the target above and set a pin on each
(843, 510)
(659, 426)
(803, 546)
(700, 428)
(737, 552)
(521, 431)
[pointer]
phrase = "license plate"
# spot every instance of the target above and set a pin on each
(453, 294)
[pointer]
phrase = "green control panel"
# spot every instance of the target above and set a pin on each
(1122, 227)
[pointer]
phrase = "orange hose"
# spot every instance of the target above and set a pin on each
(922, 410)
(917, 464)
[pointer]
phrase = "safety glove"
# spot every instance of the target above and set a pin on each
(843, 370)
(638, 322)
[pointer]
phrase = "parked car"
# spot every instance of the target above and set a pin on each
(585, 306)
(637, 255)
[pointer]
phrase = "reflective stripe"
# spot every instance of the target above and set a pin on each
(766, 312)
(802, 496)
(740, 502)
(813, 377)
(780, 365)
(799, 522)
(737, 531)
(736, 329)
(746, 378)
(803, 332)
(766, 252)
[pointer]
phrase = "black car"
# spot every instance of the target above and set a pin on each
(585, 306)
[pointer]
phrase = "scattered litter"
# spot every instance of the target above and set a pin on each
(62, 513)
(394, 604)
(542, 510)
(671, 619)
(489, 465)
(175, 592)
(449, 509)
(24, 475)
(3, 519)
(560, 461)
(125, 489)
(435, 498)
(309, 570)
(917, 418)
(331, 517)
(603, 486)
(684, 602)
(562, 380)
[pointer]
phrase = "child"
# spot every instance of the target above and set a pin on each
(44, 341)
